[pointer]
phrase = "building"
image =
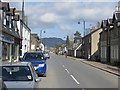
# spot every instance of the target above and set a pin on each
(25, 32)
(10, 38)
(110, 40)
(25, 38)
(77, 46)
(103, 42)
(90, 47)
(86, 45)
(114, 39)
(35, 42)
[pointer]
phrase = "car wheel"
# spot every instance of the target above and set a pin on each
(45, 74)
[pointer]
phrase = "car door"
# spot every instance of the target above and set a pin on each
(36, 84)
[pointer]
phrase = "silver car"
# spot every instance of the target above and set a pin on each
(47, 55)
(19, 76)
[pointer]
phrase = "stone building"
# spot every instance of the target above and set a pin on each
(35, 42)
(91, 45)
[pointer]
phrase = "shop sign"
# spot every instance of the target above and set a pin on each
(7, 38)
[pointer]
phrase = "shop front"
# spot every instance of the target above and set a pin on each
(10, 46)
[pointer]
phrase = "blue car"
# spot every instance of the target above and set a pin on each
(38, 61)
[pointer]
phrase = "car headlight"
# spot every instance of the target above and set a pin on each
(41, 65)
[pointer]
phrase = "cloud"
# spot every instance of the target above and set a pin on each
(68, 13)
(61, 0)
(49, 18)
(64, 14)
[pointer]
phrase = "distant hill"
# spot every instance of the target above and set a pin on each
(52, 42)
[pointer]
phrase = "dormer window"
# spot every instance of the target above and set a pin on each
(7, 20)
(118, 24)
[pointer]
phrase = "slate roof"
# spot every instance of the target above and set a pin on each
(116, 17)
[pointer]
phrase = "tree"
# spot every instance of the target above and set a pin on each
(58, 46)
(67, 42)
(77, 34)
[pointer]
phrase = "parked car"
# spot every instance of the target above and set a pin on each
(47, 55)
(20, 75)
(2, 85)
(38, 60)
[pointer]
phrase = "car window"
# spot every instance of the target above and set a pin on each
(33, 56)
(16, 73)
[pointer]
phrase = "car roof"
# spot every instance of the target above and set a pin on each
(15, 64)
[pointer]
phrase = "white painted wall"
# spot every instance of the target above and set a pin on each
(25, 41)
(25, 37)
(42, 47)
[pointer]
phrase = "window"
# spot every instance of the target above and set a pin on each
(114, 52)
(103, 52)
(33, 56)
(5, 51)
(16, 73)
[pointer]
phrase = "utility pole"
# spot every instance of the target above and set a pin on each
(23, 11)
(83, 27)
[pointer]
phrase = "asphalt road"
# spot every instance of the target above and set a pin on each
(67, 73)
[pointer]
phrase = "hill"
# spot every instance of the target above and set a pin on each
(52, 42)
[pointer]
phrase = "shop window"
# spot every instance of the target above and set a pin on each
(5, 51)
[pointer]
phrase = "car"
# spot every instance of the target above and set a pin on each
(47, 55)
(38, 61)
(2, 85)
(20, 75)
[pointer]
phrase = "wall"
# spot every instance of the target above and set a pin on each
(95, 44)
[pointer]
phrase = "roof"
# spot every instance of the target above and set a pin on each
(91, 32)
(110, 21)
(14, 64)
(116, 16)
(7, 30)
(105, 23)
(25, 25)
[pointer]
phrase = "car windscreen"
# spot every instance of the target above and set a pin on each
(16, 73)
(33, 56)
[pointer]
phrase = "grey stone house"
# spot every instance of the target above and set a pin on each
(115, 39)
(110, 40)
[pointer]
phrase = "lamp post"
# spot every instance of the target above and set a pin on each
(41, 34)
(83, 26)
(41, 42)
(83, 46)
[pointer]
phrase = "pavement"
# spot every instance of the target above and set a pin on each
(105, 67)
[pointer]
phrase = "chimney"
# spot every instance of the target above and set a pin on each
(118, 7)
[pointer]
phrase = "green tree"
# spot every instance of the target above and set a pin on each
(77, 34)
(67, 42)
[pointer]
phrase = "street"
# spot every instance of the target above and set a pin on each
(67, 73)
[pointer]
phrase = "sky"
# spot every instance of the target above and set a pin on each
(60, 18)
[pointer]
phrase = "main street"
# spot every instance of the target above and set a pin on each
(67, 73)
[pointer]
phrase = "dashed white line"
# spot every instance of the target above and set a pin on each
(74, 79)
(67, 71)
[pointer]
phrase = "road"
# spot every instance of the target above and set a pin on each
(67, 73)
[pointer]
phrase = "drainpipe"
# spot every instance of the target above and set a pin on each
(10, 53)
(108, 44)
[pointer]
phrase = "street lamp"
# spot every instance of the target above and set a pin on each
(83, 26)
(41, 34)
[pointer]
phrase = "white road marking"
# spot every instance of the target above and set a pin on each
(74, 79)
(63, 66)
(67, 71)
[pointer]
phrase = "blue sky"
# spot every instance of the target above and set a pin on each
(60, 19)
